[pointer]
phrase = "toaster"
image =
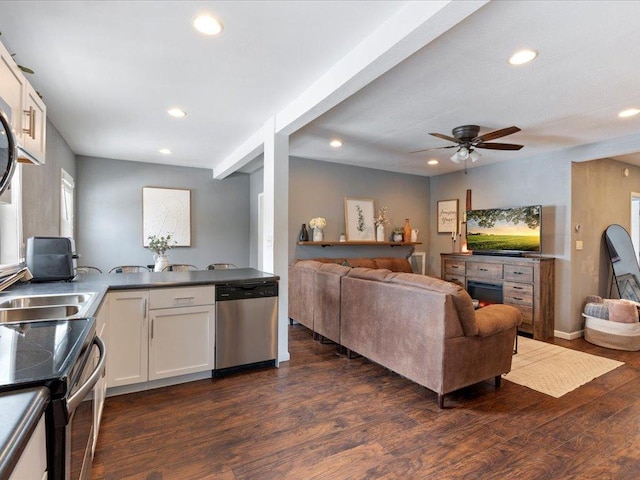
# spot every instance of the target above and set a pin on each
(50, 259)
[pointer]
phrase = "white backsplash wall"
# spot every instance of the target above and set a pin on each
(109, 213)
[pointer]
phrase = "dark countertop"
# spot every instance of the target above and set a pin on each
(127, 281)
(20, 412)
(101, 283)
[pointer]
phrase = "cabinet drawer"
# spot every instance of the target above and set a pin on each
(517, 293)
(181, 297)
(484, 270)
(455, 267)
(516, 273)
(527, 314)
(459, 279)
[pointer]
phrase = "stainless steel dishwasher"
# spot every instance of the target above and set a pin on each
(246, 325)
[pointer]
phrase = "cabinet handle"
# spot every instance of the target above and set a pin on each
(31, 131)
(518, 298)
(483, 269)
(144, 307)
(517, 273)
(152, 329)
(518, 288)
(455, 267)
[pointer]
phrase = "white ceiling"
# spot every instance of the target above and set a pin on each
(109, 70)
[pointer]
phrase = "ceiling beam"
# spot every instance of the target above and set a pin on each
(411, 28)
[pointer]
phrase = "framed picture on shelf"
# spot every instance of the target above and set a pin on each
(448, 216)
(358, 219)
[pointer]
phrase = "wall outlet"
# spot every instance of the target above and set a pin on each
(578, 244)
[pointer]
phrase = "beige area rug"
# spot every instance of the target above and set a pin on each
(555, 370)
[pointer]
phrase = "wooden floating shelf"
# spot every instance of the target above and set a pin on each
(367, 244)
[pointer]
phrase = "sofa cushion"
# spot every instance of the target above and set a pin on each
(361, 262)
(334, 268)
(394, 264)
(376, 274)
(308, 264)
(461, 299)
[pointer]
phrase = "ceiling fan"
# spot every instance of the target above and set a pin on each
(466, 140)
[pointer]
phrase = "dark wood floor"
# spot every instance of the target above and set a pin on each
(322, 416)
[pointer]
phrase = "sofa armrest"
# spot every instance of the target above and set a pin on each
(497, 318)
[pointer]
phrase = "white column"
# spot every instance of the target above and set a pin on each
(275, 246)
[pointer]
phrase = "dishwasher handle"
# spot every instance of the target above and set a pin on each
(246, 291)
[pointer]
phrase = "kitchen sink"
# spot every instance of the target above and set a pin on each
(46, 300)
(44, 307)
(38, 313)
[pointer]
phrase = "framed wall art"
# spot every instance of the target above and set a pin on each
(166, 211)
(358, 218)
(448, 216)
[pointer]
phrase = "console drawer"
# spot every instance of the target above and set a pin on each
(484, 270)
(527, 314)
(517, 273)
(517, 293)
(459, 279)
(455, 267)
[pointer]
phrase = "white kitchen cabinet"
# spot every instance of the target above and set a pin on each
(27, 110)
(181, 341)
(33, 461)
(12, 89)
(128, 355)
(34, 127)
(100, 390)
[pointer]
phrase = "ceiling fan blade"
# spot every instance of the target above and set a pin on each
(435, 148)
(503, 132)
(445, 137)
(499, 146)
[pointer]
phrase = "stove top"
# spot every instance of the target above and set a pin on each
(43, 353)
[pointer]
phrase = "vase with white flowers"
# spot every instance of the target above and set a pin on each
(381, 221)
(318, 223)
(159, 245)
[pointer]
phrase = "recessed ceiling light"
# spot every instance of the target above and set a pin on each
(165, 151)
(522, 56)
(335, 143)
(630, 112)
(208, 25)
(433, 161)
(176, 112)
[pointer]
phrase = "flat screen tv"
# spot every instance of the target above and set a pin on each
(506, 231)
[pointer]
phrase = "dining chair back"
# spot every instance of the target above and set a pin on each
(129, 269)
(179, 267)
(220, 266)
(87, 269)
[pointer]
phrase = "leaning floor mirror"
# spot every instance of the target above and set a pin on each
(624, 263)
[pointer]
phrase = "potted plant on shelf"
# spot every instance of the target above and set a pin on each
(318, 223)
(159, 245)
(381, 221)
(397, 234)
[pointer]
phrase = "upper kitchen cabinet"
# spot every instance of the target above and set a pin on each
(26, 110)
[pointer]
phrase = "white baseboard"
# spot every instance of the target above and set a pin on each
(568, 336)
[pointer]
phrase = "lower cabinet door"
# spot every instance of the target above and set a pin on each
(181, 341)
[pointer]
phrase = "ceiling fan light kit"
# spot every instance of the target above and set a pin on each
(466, 139)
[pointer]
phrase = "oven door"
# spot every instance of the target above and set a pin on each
(79, 438)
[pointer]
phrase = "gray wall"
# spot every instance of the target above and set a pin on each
(41, 187)
(317, 189)
(109, 213)
(517, 183)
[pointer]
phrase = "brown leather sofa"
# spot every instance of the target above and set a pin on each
(315, 290)
(426, 329)
(420, 327)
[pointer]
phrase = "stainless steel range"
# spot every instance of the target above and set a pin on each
(58, 354)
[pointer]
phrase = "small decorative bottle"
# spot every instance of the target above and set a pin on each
(303, 236)
(407, 231)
